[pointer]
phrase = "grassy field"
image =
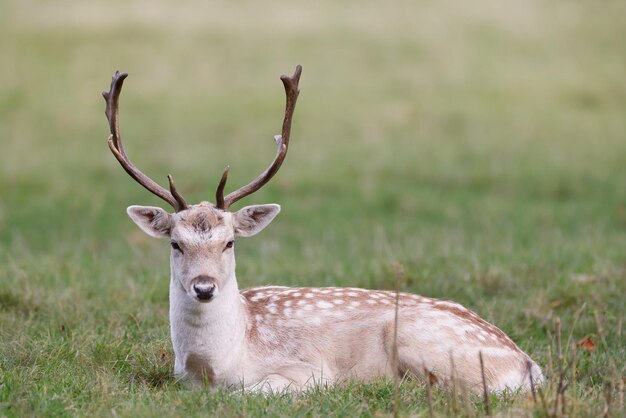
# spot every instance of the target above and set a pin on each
(479, 146)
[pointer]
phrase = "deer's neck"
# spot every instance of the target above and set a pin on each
(211, 334)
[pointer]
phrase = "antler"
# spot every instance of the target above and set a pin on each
(115, 144)
(282, 141)
(173, 197)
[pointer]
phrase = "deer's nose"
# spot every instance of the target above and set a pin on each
(204, 287)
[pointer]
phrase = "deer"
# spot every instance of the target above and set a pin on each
(277, 338)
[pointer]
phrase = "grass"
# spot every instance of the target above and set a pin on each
(480, 146)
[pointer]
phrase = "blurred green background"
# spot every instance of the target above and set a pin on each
(481, 146)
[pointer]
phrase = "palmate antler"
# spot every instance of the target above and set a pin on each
(172, 196)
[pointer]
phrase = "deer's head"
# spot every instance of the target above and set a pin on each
(202, 236)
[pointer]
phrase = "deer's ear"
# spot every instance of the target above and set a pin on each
(152, 220)
(251, 220)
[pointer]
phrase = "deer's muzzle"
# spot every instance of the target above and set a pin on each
(204, 287)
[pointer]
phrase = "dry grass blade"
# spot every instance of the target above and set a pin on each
(486, 398)
(600, 327)
(453, 383)
(396, 390)
(559, 359)
(429, 387)
(608, 389)
(620, 389)
(533, 391)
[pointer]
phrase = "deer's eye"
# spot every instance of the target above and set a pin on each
(175, 246)
(230, 244)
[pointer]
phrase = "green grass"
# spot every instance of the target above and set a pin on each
(481, 145)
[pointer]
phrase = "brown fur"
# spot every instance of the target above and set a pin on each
(203, 371)
(202, 217)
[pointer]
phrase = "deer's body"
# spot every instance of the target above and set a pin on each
(294, 338)
(272, 338)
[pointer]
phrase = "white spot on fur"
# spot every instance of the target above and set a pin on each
(372, 302)
(338, 301)
(257, 297)
(272, 309)
(354, 303)
(302, 303)
(325, 291)
(327, 312)
(352, 294)
(450, 305)
(297, 295)
(309, 295)
(287, 312)
(314, 320)
(288, 302)
(338, 294)
(324, 305)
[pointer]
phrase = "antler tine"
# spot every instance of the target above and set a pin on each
(219, 193)
(282, 141)
(180, 201)
(115, 144)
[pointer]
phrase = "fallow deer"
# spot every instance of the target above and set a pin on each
(275, 338)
